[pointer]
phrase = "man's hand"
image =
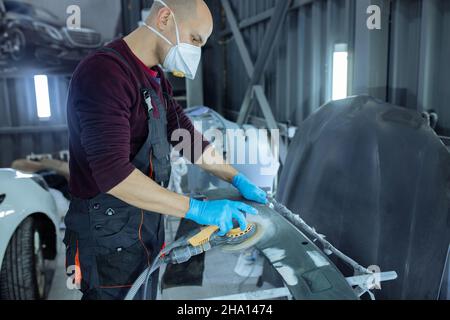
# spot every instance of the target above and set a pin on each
(220, 214)
(213, 162)
(248, 190)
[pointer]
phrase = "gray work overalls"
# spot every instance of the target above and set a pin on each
(108, 242)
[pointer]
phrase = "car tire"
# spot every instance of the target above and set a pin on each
(19, 41)
(23, 272)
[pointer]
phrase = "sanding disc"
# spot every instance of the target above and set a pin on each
(250, 242)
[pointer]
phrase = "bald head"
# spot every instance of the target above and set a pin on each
(182, 8)
(193, 17)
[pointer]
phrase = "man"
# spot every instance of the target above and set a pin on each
(121, 115)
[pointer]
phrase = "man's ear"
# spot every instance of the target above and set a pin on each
(163, 18)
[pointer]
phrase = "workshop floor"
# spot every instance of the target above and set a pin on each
(219, 277)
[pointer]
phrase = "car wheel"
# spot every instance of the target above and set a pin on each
(23, 273)
(17, 44)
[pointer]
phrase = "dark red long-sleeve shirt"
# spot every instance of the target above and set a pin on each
(107, 123)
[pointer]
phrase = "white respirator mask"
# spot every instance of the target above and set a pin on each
(183, 59)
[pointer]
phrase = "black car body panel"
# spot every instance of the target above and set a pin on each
(374, 178)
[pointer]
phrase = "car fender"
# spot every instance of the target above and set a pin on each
(23, 198)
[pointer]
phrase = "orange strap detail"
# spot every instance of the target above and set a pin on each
(150, 174)
(78, 275)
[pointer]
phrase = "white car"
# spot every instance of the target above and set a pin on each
(28, 236)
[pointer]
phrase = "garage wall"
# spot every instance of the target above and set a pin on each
(21, 131)
(301, 65)
(420, 50)
(403, 63)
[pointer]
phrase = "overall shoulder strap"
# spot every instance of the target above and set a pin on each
(122, 58)
(116, 53)
(165, 89)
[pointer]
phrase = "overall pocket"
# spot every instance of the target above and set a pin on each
(120, 255)
(110, 220)
(121, 268)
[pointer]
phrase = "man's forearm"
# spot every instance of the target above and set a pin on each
(214, 163)
(60, 167)
(140, 191)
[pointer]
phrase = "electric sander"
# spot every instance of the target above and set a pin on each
(204, 239)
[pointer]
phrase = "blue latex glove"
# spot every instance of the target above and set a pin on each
(248, 190)
(219, 213)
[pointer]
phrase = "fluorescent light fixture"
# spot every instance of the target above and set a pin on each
(42, 96)
(340, 71)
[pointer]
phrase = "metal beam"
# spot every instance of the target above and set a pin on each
(246, 23)
(263, 16)
(270, 119)
(267, 47)
(245, 54)
(428, 62)
(256, 72)
(265, 107)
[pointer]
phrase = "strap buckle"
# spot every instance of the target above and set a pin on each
(148, 99)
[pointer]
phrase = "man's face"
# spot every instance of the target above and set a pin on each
(195, 31)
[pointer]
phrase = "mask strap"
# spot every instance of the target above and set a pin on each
(176, 28)
(159, 34)
(175, 20)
